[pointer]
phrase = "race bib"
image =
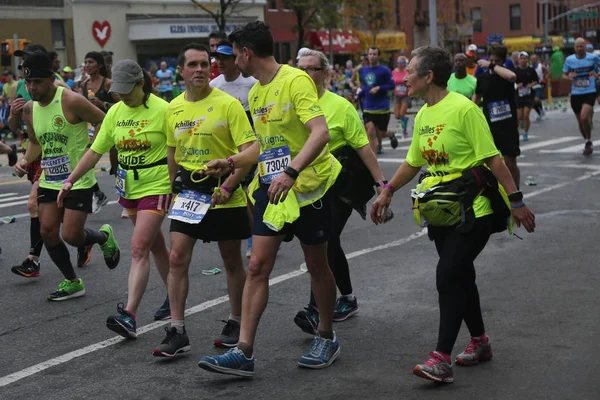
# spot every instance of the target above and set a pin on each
(400, 90)
(190, 207)
(499, 110)
(273, 162)
(57, 169)
(582, 83)
(120, 186)
(524, 91)
(91, 131)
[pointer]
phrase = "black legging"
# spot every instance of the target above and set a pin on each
(335, 254)
(455, 280)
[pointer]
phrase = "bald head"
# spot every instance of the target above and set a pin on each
(580, 47)
(460, 63)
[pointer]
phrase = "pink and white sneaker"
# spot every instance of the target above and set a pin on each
(478, 349)
(437, 368)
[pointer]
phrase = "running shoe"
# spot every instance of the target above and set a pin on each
(99, 201)
(12, 157)
(233, 362)
(164, 312)
(124, 214)
(588, 149)
(123, 324)
(110, 249)
(308, 320)
(230, 335)
(477, 350)
(28, 269)
(84, 255)
(379, 150)
(173, 344)
(437, 368)
(322, 354)
(67, 290)
(525, 137)
(393, 141)
(345, 308)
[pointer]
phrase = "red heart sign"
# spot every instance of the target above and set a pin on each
(101, 32)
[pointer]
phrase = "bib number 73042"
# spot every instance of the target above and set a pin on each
(273, 162)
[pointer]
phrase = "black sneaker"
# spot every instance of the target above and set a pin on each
(173, 344)
(28, 269)
(230, 335)
(308, 320)
(84, 255)
(164, 312)
(99, 201)
(12, 157)
(123, 324)
(393, 141)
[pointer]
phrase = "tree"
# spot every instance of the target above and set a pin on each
(452, 19)
(223, 11)
(313, 14)
(372, 15)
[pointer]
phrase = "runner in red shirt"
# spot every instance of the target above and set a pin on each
(213, 41)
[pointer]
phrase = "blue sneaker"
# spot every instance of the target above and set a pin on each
(164, 312)
(322, 354)
(233, 362)
(123, 324)
(345, 308)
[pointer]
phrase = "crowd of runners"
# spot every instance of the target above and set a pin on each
(253, 153)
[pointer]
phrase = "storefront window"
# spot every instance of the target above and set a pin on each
(515, 17)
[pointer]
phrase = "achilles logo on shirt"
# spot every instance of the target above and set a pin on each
(436, 131)
(189, 126)
(130, 123)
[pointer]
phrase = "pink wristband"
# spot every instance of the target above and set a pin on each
(225, 188)
(231, 166)
(388, 186)
(69, 181)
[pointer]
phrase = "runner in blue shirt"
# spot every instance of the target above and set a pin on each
(376, 83)
(581, 68)
(165, 79)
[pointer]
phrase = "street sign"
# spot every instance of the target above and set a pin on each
(583, 15)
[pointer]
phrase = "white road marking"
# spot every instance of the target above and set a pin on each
(7, 194)
(578, 148)
(27, 372)
(549, 142)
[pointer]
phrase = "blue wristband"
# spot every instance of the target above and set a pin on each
(520, 205)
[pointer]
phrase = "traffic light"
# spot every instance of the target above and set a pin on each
(6, 51)
(23, 43)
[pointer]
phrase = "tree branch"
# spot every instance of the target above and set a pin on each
(212, 14)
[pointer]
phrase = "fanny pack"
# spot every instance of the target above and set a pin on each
(135, 168)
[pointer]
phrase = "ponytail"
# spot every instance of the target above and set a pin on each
(148, 88)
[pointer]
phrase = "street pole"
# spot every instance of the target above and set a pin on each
(330, 44)
(433, 32)
(15, 48)
(546, 22)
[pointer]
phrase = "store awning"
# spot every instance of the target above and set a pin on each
(391, 41)
(344, 42)
(522, 43)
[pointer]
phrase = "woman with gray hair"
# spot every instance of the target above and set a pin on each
(461, 198)
(353, 189)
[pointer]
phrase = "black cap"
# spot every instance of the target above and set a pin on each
(37, 65)
(30, 49)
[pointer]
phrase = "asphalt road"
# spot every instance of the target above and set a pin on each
(539, 297)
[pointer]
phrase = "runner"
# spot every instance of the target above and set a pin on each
(136, 126)
(540, 87)
(11, 152)
(471, 61)
(55, 65)
(402, 100)
(296, 170)
(526, 79)
(57, 125)
(165, 79)
(355, 81)
(348, 71)
(581, 68)
(353, 188)
(451, 137)
(460, 82)
(202, 124)
(213, 41)
(96, 90)
(234, 84)
(497, 89)
(376, 82)
(30, 267)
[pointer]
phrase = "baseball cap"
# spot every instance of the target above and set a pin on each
(30, 49)
(224, 50)
(472, 47)
(37, 65)
(523, 54)
(67, 69)
(589, 46)
(125, 75)
(301, 51)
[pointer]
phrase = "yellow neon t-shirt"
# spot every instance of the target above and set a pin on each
(206, 130)
(345, 126)
(140, 137)
(279, 110)
(452, 136)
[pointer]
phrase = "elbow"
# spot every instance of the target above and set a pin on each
(513, 77)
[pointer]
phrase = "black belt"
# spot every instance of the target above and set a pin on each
(145, 166)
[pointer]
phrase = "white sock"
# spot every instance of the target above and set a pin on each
(179, 325)
(236, 319)
(349, 296)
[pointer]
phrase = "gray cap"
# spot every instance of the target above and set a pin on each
(125, 75)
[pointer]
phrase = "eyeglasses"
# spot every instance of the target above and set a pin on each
(310, 70)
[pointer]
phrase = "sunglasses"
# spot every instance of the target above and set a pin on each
(310, 70)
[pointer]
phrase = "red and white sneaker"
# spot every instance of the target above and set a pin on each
(588, 148)
(477, 350)
(437, 368)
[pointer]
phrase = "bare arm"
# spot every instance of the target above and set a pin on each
(34, 148)
(501, 173)
(85, 111)
(171, 162)
(248, 157)
(403, 175)
(241, 171)
(505, 73)
(87, 162)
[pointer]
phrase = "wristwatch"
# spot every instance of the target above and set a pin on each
(515, 196)
(383, 183)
